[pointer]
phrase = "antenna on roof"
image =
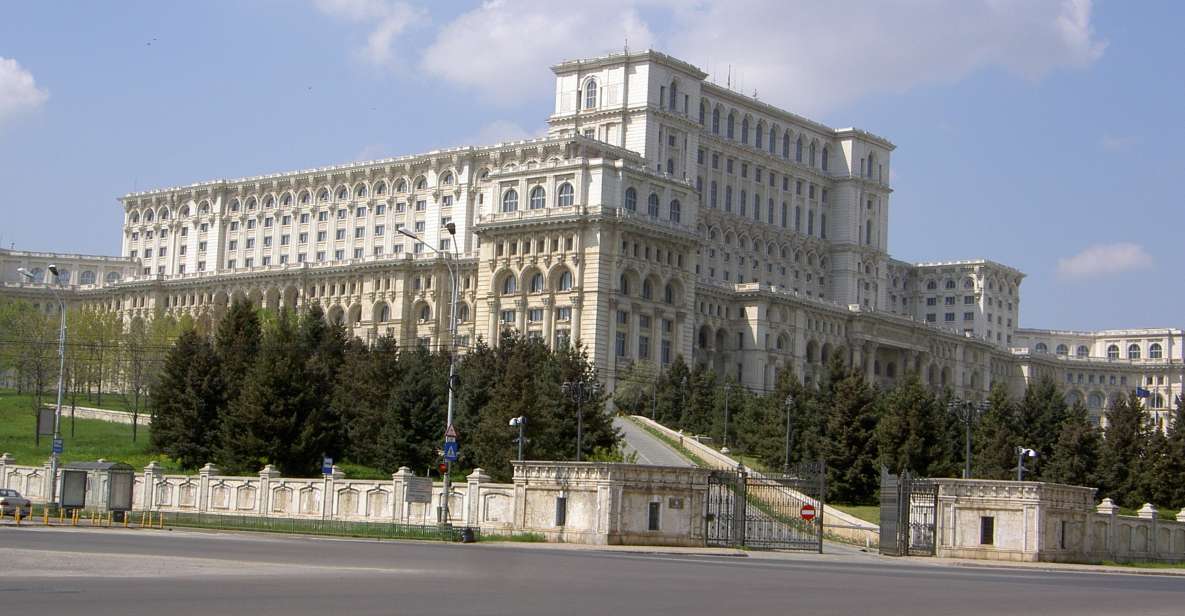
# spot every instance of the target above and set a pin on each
(728, 82)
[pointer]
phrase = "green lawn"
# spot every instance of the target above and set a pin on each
(868, 513)
(92, 439)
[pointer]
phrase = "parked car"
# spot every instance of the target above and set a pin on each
(11, 501)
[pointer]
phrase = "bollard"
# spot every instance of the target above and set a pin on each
(108, 519)
(162, 520)
(143, 517)
(45, 515)
(17, 516)
(61, 515)
(127, 516)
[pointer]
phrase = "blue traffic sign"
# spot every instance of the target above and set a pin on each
(451, 451)
(327, 466)
(57, 445)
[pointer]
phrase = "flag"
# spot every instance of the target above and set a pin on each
(1143, 393)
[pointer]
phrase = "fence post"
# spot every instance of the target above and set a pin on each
(400, 512)
(473, 497)
(6, 460)
(152, 476)
(204, 485)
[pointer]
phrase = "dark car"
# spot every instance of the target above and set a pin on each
(11, 502)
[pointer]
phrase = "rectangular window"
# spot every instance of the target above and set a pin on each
(931, 317)
(619, 344)
(421, 205)
(323, 215)
(340, 234)
(446, 201)
(267, 241)
(341, 214)
(535, 315)
(561, 510)
(643, 347)
(359, 232)
(267, 223)
(508, 317)
(357, 253)
(968, 316)
(666, 351)
(360, 212)
(948, 317)
(378, 229)
(304, 218)
(250, 224)
(987, 530)
(339, 254)
(285, 240)
(380, 209)
(653, 516)
(286, 220)
(420, 226)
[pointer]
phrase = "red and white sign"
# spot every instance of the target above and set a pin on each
(807, 512)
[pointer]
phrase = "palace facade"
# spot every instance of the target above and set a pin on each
(663, 215)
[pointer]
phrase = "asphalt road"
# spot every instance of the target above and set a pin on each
(649, 449)
(113, 571)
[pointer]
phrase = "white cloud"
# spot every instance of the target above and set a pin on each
(1113, 143)
(384, 19)
(1103, 259)
(499, 131)
(18, 91)
(805, 56)
(503, 48)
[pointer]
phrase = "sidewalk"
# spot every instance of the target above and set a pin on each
(1043, 566)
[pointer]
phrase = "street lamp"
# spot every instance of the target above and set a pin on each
(580, 392)
(1021, 452)
(968, 412)
(452, 358)
(724, 448)
(789, 405)
(521, 423)
(57, 418)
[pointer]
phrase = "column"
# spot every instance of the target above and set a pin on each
(520, 315)
(266, 476)
(549, 322)
(870, 349)
(152, 476)
(399, 508)
(576, 303)
(6, 460)
(492, 335)
(328, 501)
(204, 485)
(473, 497)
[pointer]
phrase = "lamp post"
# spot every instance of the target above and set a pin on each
(1021, 452)
(452, 358)
(724, 448)
(789, 404)
(521, 423)
(57, 417)
(968, 412)
(580, 391)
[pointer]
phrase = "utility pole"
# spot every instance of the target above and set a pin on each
(579, 391)
(57, 418)
(789, 407)
(726, 388)
(968, 412)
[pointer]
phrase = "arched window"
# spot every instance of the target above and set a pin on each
(798, 150)
(1062, 350)
(1113, 352)
(342, 194)
(1082, 351)
(950, 284)
(425, 313)
(38, 274)
(304, 197)
(759, 136)
(631, 199)
(384, 313)
(323, 195)
(652, 205)
(538, 199)
(623, 284)
(732, 125)
(676, 211)
(786, 145)
(647, 290)
(773, 137)
(703, 113)
(510, 200)
(88, 277)
(421, 183)
(812, 154)
(567, 195)
(1133, 351)
(1155, 351)
(509, 285)
(670, 166)
(712, 197)
(360, 191)
(590, 94)
(668, 294)
(728, 198)
(565, 281)
(537, 283)
(824, 158)
(380, 188)
(674, 95)
(463, 313)
(744, 130)
(1042, 347)
(401, 186)
(446, 179)
(931, 285)
(111, 277)
(868, 232)
(716, 121)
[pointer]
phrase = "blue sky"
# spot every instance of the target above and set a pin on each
(1043, 135)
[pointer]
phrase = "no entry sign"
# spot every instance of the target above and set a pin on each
(807, 512)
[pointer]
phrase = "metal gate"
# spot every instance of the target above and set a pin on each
(782, 511)
(909, 515)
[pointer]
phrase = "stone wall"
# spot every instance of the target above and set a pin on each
(1035, 521)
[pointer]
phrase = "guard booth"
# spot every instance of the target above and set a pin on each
(98, 486)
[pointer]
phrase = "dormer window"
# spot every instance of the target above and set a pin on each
(590, 94)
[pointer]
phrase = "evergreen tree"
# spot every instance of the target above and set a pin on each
(418, 409)
(996, 437)
(1152, 468)
(850, 448)
(361, 398)
(237, 342)
(1075, 455)
(1124, 444)
(319, 430)
(186, 402)
(1172, 473)
(911, 430)
(1040, 415)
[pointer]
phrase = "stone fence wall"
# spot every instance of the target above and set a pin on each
(1035, 521)
(478, 502)
(121, 417)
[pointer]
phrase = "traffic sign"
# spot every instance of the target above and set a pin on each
(451, 451)
(807, 512)
(57, 445)
(327, 466)
(450, 432)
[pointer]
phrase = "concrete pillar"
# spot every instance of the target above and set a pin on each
(152, 477)
(6, 460)
(204, 485)
(399, 509)
(1149, 512)
(548, 322)
(267, 475)
(473, 496)
(1109, 509)
(329, 499)
(575, 330)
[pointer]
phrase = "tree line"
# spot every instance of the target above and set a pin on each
(286, 389)
(857, 428)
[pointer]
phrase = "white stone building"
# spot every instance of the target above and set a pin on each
(663, 215)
